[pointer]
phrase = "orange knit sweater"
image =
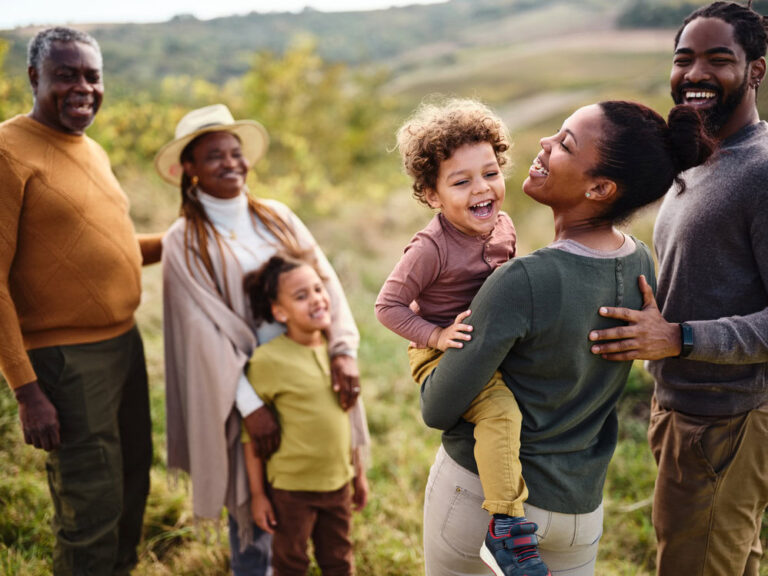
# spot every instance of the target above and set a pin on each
(70, 265)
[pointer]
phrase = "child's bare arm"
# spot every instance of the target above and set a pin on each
(452, 336)
(261, 507)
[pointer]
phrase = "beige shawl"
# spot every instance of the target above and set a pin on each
(207, 345)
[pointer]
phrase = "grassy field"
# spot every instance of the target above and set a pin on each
(534, 84)
(387, 533)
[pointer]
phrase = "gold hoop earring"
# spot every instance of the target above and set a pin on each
(194, 180)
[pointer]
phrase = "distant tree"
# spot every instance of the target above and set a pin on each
(666, 13)
(330, 127)
(15, 96)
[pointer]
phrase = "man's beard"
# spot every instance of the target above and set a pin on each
(716, 117)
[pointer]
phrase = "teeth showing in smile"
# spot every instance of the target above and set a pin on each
(81, 108)
(700, 95)
(537, 166)
(482, 209)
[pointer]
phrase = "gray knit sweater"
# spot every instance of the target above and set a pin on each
(531, 319)
(712, 246)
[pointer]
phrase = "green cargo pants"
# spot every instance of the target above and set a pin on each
(99, 476)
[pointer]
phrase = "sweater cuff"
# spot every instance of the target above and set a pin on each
(345, 352)
(19, 374)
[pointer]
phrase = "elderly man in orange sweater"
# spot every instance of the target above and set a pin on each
(70, 281)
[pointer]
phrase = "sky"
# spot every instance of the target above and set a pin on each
(15, 13)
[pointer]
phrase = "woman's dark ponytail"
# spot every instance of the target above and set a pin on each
(644, 155)
(689, 143)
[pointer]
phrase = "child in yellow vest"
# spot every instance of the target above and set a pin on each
(308, 493)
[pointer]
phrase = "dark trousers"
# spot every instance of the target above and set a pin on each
(326, 518)
(256, 559)
(99, 476)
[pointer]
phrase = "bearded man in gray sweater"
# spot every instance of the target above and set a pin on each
(708, 345)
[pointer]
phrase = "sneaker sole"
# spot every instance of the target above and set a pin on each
(487, 557)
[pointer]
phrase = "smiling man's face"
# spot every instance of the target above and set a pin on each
(68, 88)
(710, 73)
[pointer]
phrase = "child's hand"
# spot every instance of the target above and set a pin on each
(452, 336)
(262, 512)
(360, 496)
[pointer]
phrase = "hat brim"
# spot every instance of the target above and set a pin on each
(252, 135)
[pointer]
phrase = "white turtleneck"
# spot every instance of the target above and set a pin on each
(252, 244)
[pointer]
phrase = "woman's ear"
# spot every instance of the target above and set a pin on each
(602, 190)
(189, 168)
(432, 198)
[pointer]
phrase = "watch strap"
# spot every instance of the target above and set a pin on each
(686, 335)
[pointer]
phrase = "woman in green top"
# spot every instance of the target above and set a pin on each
(530, 319)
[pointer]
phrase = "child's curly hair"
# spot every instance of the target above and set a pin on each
(261, 285)
(437, 130)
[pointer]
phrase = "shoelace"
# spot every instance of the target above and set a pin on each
(525, 553)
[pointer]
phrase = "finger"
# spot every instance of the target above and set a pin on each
(354, 392)
(55, 437)
(618, 333)
(462, 332)
(273, 443)
(337, 378)
(614, 347)
(45, 441)
(267, 445)
(269, 523)
(626, 314)
(462, 316)
(35, 438)
(648, 299)
(453, 344)
(621, 356)
(50, 438)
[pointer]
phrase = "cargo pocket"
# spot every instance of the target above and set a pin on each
(86, 490)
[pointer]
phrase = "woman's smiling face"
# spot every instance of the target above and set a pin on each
(219, 165)
(560, 175)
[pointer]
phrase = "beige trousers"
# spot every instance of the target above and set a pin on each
(455, 525)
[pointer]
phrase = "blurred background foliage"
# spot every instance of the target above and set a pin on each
(332, 88)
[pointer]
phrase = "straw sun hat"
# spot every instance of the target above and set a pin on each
(253, 138)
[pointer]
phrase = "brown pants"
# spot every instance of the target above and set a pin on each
(711, 491)
(326, 518)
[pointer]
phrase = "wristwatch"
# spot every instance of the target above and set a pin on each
(686, 334)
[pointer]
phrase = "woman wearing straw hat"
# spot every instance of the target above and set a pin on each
(223, 233)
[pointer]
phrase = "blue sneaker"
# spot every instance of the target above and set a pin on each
(515, 553)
